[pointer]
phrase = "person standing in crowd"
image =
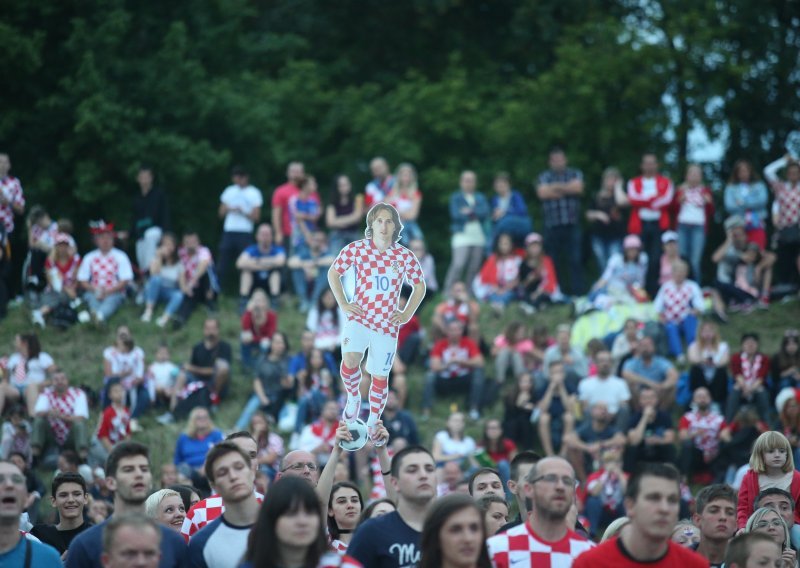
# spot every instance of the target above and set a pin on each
(393, 540)
(260, 265)
(69, 498)
(104, 275)
(406, 197)
(223, 542)
(545, 536)
(606, 218)
(468, 211)
(454, 535)
(787, 217)
(61, 413)
(715, 516)
(746, 196)
(509, 212)
(150, 217)
(240, 207)
(12, 202)
(291, 532)
(650, 196)
(15, 547)
(281, 217)
(652, 502)
(344, 213)
(560, 188)
(129, 476)
(131, 538)
(382, 182)
(695, 210)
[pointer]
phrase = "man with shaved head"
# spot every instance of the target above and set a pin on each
(550, 489)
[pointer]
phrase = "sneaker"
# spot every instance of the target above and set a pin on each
(763, 303)
(527, 309)
(38, 319)
(351, 408)
(166, 418)
(147, 316)
(84, 317)
(162, 321)
(135, 426)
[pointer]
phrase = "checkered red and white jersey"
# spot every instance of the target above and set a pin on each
(105, 270)
(191, 262)
(334, 560)
(203, 512)
(67, 272)
(521, 548)
(379, 278)
(11, 190)
(788, 199)
(676, 302)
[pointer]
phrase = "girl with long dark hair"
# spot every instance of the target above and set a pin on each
(454, 535)
(344, 509)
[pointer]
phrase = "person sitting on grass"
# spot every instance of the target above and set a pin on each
(61, 415)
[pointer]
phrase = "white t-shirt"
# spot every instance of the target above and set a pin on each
(613, 391)
(164, 373)
(693, 209)
(80, 408)
(244, 198)
(36, 369)
(452, 447)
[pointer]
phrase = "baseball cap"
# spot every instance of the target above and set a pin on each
(533, 238)
(632, 241)
(669, 236)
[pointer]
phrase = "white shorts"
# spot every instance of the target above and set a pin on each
(357, 338)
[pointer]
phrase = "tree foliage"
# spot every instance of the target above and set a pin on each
(93, 88)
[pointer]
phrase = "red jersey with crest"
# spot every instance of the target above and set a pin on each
(379, 278)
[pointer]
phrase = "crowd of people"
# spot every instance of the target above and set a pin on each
(607, 412)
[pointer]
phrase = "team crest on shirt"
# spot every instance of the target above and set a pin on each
(396, 266)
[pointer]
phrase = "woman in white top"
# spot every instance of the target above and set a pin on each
(406, 197)
(708, 359)
(164, 282)
(24, 373)
(125, 361)
(451, 444)
(624, 277)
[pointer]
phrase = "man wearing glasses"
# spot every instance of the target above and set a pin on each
(545, 539)
(15, 548)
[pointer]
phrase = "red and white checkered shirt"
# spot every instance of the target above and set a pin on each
(379, 278)
(46, 236)
(70, 403)
(11, 190)
(704, 430)
(788, 199)
(521, 548)
(676, 302)
(115, 425)
(203, 512)
(334, 560)
(126, 366)
(191, 262)
(67, 272)
(105, 270)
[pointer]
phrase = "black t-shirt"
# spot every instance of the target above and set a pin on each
(660, 424)
(616, 228)
(202, 356)
(59, 540)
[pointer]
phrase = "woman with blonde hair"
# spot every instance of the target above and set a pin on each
(166, 506)
(259, 322)
(193, 445)
(406, 197)
(768, 521)
(708, 359)
(771, 466)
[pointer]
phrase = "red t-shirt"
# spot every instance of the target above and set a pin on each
(465, 349)
(280, 198)
(407, 329)
(504, 454)
(265, 330)
(611, 554)
(115, 425)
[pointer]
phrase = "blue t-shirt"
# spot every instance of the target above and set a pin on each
(193, 451)
(254, 252)
(656, 371)
(219, 544)
(42, 555)
(298, 362)
(86, 548)
(386, 542)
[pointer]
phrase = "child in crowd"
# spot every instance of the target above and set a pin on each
(115, 425)
(164, 374)
(510, 351)
(771, 465)
(16, 435)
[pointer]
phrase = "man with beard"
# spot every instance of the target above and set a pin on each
(392, 540)
(699, 433)
(715, 516)
(69, 498)
(129, 476)
(545, 540)
(223, 542)
(652, 502)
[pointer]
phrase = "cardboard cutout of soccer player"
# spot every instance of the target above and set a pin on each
(381, 265)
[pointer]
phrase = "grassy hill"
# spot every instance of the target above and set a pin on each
(79, 352)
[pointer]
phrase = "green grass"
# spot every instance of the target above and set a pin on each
(79, 352)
